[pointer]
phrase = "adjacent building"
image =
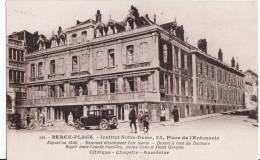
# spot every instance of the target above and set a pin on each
(18, 44)
(251, 90)
(130, 63)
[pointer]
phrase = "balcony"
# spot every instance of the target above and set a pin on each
(15, 42)
(94, 99)
(14, 63)
(32, 79)
(137, 65)
(40, 78)
(16, 85)
(55, 76)
(78, 73)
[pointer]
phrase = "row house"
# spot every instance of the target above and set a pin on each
(131, 63)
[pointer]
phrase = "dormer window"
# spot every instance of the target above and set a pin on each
(110, 30)
(84, 36)
(130, 24)
(74, 38)
(99, 32)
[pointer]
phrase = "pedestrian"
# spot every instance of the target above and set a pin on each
(146, 121)
(163, 115)
(28, 120)
(175, 114)
(70, 119)
(132, 118)
(140, 121)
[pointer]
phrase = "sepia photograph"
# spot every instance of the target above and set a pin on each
(132, 80)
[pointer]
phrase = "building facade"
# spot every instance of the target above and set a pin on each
(132, 63)
(18, 44)
(251, 89)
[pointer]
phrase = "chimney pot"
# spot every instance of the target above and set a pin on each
(202, 45)
(98, 16)
(220, 55)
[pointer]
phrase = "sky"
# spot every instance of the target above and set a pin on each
(231, 26)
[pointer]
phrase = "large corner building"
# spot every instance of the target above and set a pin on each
(130, 63)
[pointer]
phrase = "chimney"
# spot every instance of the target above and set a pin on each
(98, 16)
(78, 22)
(180, 32)
(220, 55)
(233, 62)
(237, 66)
(202, 45)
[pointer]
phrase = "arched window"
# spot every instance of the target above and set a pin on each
(74, 38)
(83, 36)
(40, 65)
(52, 67)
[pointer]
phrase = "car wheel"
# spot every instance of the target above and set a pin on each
(103, 125)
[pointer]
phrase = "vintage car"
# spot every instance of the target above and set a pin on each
(104, 119)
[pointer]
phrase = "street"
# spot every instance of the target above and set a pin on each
(237, 138)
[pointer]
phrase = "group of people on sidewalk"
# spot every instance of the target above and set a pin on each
(143, 119)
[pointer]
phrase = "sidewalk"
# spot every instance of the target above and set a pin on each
(192, 118)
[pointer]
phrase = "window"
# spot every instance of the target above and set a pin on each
(100, 87)
(75, 63)
(84, 36)
(212, 72)
(130, 84)
(130, 54)
(22, 56)
(52, 67)
(74, 38)
(18, 77)
(111, 57)
(10, 75)
(105, 86)
(176, 58)
(113, 85)
(200, 68)
(182, 61)
(177, 85)
(165, 53)
(14, 54)
(14, 72)
(144, 83)
(40, 65)
(18, 55)
(33, 70)
(166, 82)
(22, 77)
(207, 70)
(10, 53)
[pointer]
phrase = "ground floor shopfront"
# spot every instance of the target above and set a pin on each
(158, 111)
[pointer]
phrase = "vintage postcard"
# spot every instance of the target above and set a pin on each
(131, 80)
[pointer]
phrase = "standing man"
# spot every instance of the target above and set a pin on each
(175, 115)
(132, 118)
(28, 120)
